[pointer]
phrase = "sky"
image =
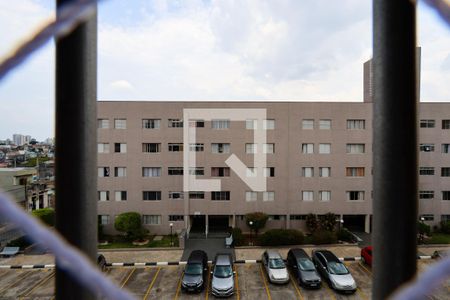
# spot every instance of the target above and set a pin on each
(309, 50)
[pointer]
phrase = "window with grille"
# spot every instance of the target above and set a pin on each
(269, 172)
(196, 195)
(197, 123)
(103, 123)
(103, 195)
(355, 195)
(308, 148)
(307, 171)
(251, 124)
(426, 194)
(220, 172)
(325, 124)
(445, 124)
(324, 196)
(220, 148)
(324, 171)
(175, 123)
(426, 147)
(103, 171)
(175, 147)
(151, 195)
(426, 171)
(268, 148)
(175, 171)
(356, 148)
(251, 196)
(200, 171)
(307, 195)
(151, 123)
(445, 148)
(307, 124)
(269, 124)
(103, 147)
(151, 147)
(120, 172)
(176, 218)
(324, 148)
(151, 172)
(197, 147)
(220, 124)
(151, 219)
(250, 148)
(268, 196)
(121, 195)
(176, 195)
(220, 195)
(120, 123)
(356, 124)
(103, 219)
(354, 172)
(427, 123)
(446, 195)
(445, 172)
(120, 148)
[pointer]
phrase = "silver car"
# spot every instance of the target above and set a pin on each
(222, 283)
(275, 268)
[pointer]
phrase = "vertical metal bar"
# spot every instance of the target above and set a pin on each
(76, 139)
(395, 144)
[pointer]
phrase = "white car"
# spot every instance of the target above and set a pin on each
(275, 267)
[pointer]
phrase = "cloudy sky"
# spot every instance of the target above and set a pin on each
(212, 50)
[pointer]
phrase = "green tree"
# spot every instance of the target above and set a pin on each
(130, 223)
(46, 215)
(258, 221)
(311, 223)
(327, 222)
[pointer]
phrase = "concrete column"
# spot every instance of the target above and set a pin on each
(367, 224)
(233, 220)
(288, 221)
(206, 225)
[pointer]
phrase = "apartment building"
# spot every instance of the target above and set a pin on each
(318, 160)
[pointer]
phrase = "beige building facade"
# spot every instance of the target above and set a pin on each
(318, 160)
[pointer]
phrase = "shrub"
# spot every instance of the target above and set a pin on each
(311, 223)
(279, 237)
(22, 243)
(259, 220)
(130, 224)
(46, 215)
(238, 238)
(323, 237)
(423, 228)
(445, 227)
(345, 235)
(327, 222)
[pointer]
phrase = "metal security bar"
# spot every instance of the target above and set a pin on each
(395, 145)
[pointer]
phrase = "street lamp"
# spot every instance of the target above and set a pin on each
(421, 237)
(250, 223)
(171, 236)
(340, 222)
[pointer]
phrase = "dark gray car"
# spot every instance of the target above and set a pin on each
(222, 283)
(302, 267)
(195, 272)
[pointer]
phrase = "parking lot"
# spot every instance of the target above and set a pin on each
(163, 282)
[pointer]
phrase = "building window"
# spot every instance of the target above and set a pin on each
(324, 171)
(356, 148)
(446, 195)
(103, 147)
(307, 124)
(200, 171)
(251, 172)
(103, 123)
(307, 148)
(426, 217)
(176, 218)
(220, 148)
(175, 147)
(151, 195)
(196, 195)
(220, 196)
(324, 196)
(197, 147)
(268, 148)
(120, 148)
(103, 195)
(356, 124)
(445, 124)
(307, 171)
(426, 147)
(220, 172)
(426, 171)
(220, 124)
(151, 147)
(120, 123)
(307, 195)
(175, 171)
(445, 172)
(325, 124)
(103, 219)
(269, 124)
(120, 172)
(175, 123)
(297, 217)
(324, 148)
(445, 148)
(251, 124)
(269, 172)
(426, 194)
(251, 196)
(354, 172)
(197, 123)
(103, 171)
(276, 218)
(355, 195)
(121, 195)
(426, 123)
(176, 195)
(151, 172)
(250, 148)
(151, 219)
(151, 123)
(268, 196)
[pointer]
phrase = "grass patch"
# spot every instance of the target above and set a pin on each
(439, 238)
(165, 242)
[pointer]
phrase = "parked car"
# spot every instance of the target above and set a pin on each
(195, 272)
(101, 262)
(275, 268)
(366, 255)
(333, 271)
(440, 254)
(302, 267)
(222, 283)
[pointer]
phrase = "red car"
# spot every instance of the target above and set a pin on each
(366, 255)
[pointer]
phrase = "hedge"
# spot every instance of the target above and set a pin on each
(279, 237)
(323, 237)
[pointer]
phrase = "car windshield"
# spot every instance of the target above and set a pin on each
(337, 268)
(223, 271)
(276, 263)
(306, 265)
(193, 269)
